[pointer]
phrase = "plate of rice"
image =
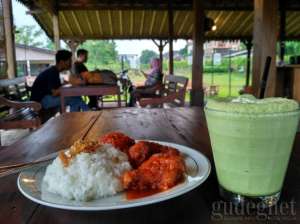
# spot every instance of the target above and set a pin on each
(96, 178)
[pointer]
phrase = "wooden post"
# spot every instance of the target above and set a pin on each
(161, 46)
(248, 44)
(198, 41)
(73, 45)
(171, 34)
(28, 68)
(282, 30)
(9, 39)
(161, 49)
(264, 43)
(56, 31)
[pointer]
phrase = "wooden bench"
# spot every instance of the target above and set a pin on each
(172, 93)
(19, 115)
(15, 89)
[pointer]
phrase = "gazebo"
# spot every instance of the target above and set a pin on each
(235, 162)
(260, 23)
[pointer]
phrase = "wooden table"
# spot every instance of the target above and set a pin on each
(185, 126)
(92, 90)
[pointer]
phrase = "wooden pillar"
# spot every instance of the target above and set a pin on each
(161, 46)
(73, 45)
(198, 41)
(171, 34)
(56, 35)
(9, 39)
(248, 44)
(282, 30)
(264, 43)
(28, 68)
(161, 49)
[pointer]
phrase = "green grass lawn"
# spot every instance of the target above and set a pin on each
(219, 79)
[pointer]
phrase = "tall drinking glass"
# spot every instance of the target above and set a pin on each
(251, 151)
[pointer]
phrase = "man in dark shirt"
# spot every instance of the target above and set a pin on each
(45, 88)
(79, 68)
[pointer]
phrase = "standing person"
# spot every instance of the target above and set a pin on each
(46, 86)
(80, 68)
(153, 82)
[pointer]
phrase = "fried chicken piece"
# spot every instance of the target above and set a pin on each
(118, 140)
(160, 172)
(143, 150)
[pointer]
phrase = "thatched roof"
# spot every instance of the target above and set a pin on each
(148, 19)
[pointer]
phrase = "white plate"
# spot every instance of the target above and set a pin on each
(30, 184)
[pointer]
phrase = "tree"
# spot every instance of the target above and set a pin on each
(29, 36)
(147, 55)
(49, 44)
(184, 51)
(101, 52)
(292, 48)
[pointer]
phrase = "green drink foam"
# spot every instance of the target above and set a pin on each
(249, 104)
(252, 141)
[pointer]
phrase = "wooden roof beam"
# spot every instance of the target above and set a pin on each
(191, 29)
(183, 24)
(110, 23)
(224, 21)
(131, 22)
(50, 6)
(148, 5)
(165, 37)
(99, 22)
(163, 22)
(66, 23)
(241, 26)
(235, 23)
(293, 23)
(77, 23)
(55, 5)
(152, 22)
(121, 21)
(142, 23)
(89, 23)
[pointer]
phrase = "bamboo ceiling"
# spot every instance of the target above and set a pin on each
(148, 19)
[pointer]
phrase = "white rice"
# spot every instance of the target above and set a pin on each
(89, 175)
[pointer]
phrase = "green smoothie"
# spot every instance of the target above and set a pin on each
(252, 141)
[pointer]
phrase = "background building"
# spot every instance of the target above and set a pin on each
(30, 60)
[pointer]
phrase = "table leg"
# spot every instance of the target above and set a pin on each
(62, 104)
(119, 100)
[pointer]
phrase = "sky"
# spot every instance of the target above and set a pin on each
(123, 46)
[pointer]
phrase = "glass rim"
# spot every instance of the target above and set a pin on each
(253, 114)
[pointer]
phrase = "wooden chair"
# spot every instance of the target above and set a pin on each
(172, 93)
(19, 115)
(14, 89)
(212, 90)
(16, 112)
(16, 92)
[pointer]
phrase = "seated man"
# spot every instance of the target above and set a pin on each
(80, 68)
(46, 86)
(152, 83)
